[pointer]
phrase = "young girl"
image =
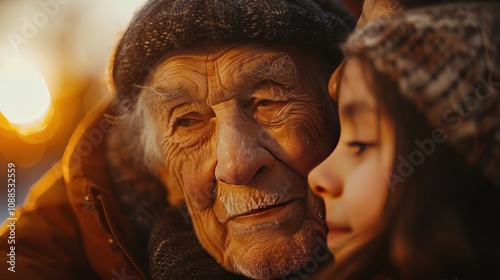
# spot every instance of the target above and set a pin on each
(412, 190)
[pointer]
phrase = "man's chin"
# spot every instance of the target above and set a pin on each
(271, 245)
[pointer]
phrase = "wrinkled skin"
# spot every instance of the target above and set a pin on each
(240, 126)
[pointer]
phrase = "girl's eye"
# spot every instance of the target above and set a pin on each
(359, 147)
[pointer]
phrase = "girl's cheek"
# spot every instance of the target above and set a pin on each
(366, 195)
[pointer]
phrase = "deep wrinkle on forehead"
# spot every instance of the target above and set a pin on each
(237, 74)
(179, 77)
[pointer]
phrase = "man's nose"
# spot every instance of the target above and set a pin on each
(324, 179)
(240, 156)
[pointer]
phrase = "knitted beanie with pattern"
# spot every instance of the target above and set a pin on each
(446, 60)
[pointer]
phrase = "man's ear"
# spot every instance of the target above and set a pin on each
(174, 191)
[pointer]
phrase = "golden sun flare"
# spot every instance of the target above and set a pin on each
(24, 95)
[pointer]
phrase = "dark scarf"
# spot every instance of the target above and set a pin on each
(175, 253)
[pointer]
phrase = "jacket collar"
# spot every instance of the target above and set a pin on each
(92, 197)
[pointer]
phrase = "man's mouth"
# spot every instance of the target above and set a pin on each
(239, 203)
(255, 212)
(286, 217)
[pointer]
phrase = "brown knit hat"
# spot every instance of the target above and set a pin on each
(162, 26)
(446, 60)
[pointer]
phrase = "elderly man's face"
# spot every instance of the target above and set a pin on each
(241, 126)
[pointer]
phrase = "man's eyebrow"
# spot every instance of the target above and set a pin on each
(350, 109)
(167, 95)
(280, 68)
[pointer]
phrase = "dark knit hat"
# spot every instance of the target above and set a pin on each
(162, 26)
(446, 60)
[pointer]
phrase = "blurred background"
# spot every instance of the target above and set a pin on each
(53, 56)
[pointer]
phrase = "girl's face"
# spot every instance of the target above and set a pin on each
(352, 180)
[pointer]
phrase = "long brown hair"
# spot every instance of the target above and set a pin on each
(441, 220)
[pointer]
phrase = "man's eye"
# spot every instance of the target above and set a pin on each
(187, 122)
(359, 147)
(264, 103)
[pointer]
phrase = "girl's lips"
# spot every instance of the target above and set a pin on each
(337, 235)
(338, 229)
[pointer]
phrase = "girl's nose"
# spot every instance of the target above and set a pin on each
(323, 179)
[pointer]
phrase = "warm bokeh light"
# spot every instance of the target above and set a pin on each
(24, 95)
(35, 127)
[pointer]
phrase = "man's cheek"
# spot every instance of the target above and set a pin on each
(175, 194)
(201, 192)
(307, 144)
(211, 234)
